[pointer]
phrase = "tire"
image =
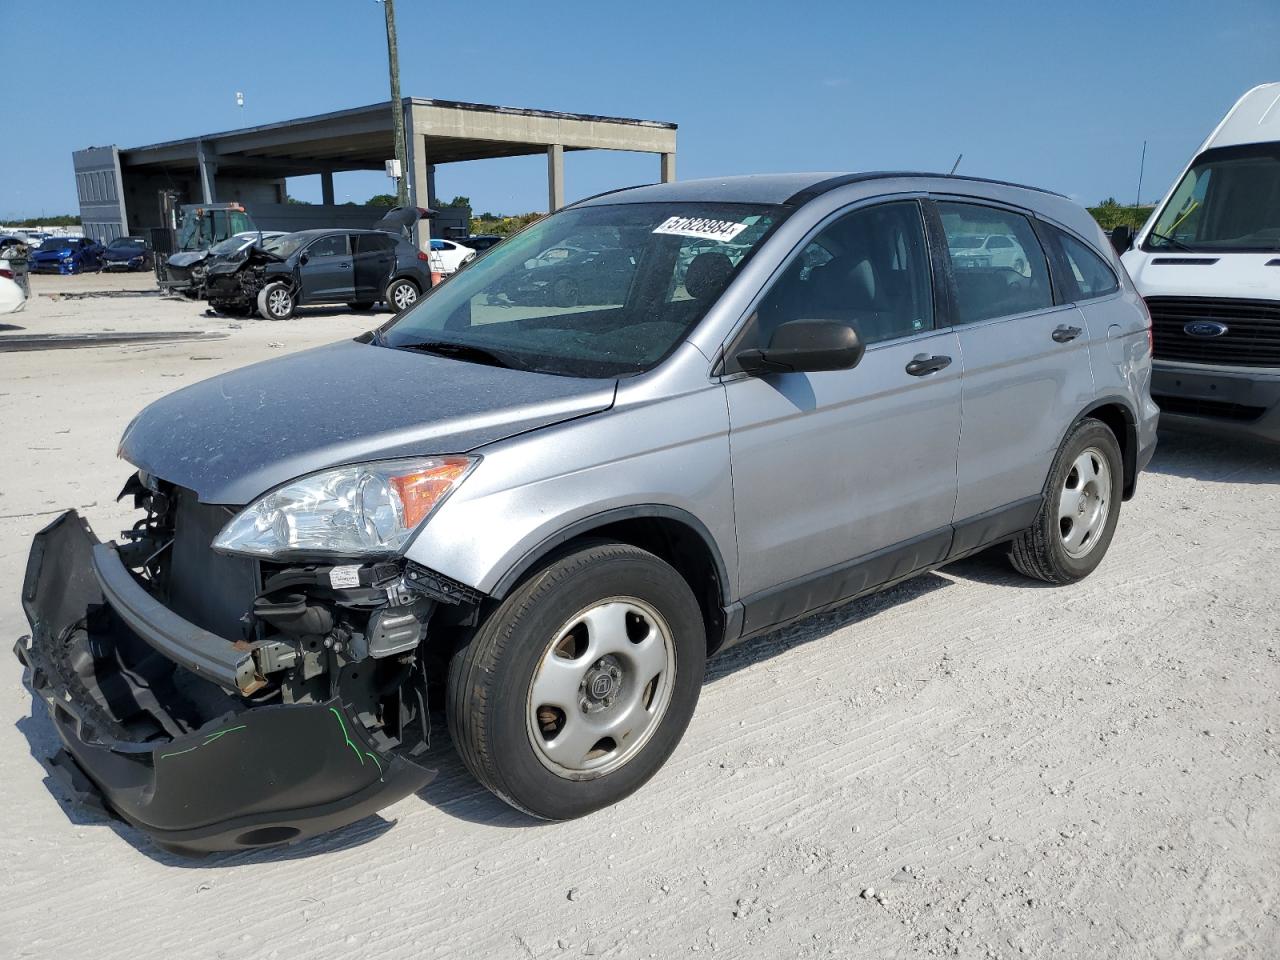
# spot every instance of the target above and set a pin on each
(276, 302)
(361, 306)
(402, 294)
(507, 740)
(1078, 511)
(564, 292)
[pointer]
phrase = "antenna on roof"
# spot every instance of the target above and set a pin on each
(1142, 165)
(956, 164)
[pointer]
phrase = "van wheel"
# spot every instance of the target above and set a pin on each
(275, 302)
(575, 690)
(401, 294)
(1079, 509)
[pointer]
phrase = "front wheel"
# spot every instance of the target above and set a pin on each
(275, 302)
(575, 690)
(1080, 507)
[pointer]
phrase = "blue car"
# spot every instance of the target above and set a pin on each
(67, 255)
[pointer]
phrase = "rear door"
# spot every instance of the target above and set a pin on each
(1027, 372)
(373, 258)
(326, 272)
(844, 479)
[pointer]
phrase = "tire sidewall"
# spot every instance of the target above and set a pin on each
(527, 781)
(1089, 433)
(264, 302)
(391, 294)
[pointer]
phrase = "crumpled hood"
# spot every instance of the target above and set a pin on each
(188, 258)
(233, 437)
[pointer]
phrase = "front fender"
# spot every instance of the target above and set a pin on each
(534, 491)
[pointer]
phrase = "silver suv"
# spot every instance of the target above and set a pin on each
(547, 517)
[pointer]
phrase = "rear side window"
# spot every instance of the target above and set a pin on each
(1088, 275)
(994, 281)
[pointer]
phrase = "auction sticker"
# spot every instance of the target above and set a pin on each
(702, 228)
(345, 576)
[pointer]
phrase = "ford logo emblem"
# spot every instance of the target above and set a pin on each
(1204, 329)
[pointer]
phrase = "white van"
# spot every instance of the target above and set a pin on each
(1207, 263)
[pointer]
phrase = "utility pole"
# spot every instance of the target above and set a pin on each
(397, 108)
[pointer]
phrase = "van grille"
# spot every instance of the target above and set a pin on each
(1252, 338)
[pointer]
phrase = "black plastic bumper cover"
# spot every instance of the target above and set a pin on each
(252, 777)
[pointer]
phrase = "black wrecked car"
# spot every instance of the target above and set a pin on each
(355, 267)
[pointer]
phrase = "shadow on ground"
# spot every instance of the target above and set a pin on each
(1215, 459)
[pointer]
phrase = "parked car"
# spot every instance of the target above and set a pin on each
(12, 297)
(356, 267)
(11, 245)
(127, 253)
(996, 250)
(448, 257)
(67, 255)
(1208, 263)
(201, 226)
(482, 242)
(589, 277)
(558, 514)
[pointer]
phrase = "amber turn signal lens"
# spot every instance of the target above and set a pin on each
(419, 492)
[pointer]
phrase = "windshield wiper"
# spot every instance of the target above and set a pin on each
(1171, 241)
(458, 351)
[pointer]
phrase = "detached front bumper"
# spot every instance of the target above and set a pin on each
(135, 727)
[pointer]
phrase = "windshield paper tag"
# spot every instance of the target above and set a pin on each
(343, 577)
(702, 228)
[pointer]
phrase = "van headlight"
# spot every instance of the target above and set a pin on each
(367, 509)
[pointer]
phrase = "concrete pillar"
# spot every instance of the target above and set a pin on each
(208, 174)
(668, 168)
(326, 188)
(420, 185)
(555, 177)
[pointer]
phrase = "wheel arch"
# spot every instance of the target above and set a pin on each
(1118, 415)
(670, 533)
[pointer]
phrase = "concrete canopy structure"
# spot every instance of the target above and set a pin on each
(251, 164)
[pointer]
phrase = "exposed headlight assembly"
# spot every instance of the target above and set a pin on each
(367, 509)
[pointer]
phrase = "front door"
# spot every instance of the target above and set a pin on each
(1026, 362)
(326, 272)
(845, 479)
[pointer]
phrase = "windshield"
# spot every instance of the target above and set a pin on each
(620, 293)
(126, 244)
(202, 230)
(284, 247)
(55, 243)
(1228, 201)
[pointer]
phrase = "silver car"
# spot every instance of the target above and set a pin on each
(544, 519)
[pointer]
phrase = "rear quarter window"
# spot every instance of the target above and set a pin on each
(1087, 275)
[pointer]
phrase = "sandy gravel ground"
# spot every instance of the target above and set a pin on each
(968, 765)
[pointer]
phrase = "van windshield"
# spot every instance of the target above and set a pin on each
(598, 291)
(1229, 201)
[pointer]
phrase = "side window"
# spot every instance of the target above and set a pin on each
(994, 282)
(334, 245)
(870, 268)
(1088, 273)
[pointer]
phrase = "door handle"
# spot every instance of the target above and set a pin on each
(1065, 334)
(922, 365)
(344, 266)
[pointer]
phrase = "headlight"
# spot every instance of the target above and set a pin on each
(361, 510)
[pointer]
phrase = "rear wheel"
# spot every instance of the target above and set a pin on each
(1080, 507)
(275, 302)
(401, 294)
(575, 690)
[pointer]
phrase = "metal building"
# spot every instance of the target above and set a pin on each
(122, 189)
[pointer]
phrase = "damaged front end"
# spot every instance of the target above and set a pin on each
(219, 702)
(232, 285)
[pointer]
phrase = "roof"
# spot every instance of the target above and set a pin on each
(1255, 118)
(787, 188)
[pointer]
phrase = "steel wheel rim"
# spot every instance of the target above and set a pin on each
(1084, 504)
(404, 295)
(601, 688)
(278, 302)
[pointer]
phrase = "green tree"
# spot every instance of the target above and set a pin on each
(382, 200)
(294, 201)
(459, 202)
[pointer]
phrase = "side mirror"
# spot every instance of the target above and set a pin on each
(806, 346)
(302, 260)
(1122, 238)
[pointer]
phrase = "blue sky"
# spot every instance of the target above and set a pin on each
(1058, 94)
